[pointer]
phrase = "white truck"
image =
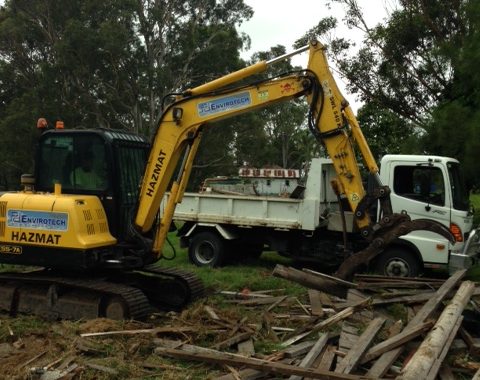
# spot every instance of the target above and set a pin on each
(309, 225)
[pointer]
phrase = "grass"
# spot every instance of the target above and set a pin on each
(473, 273)
(475, 201)
(254, 274)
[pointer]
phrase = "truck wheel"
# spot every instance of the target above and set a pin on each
(207, 249)
(398, 262)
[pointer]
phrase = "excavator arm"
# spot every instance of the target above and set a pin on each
(330, 120)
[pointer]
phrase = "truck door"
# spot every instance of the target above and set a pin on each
(421, 189)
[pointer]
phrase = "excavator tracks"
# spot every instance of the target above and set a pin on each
(187, 287)
(120, 295)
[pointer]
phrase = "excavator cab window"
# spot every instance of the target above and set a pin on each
(78, 162)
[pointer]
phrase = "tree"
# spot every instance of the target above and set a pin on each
(109, 63)
(282, 121)
(419, 64)
(385, 131)
(455, 125)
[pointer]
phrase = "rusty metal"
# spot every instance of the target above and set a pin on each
(386, 231)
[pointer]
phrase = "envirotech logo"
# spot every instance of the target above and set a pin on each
(224, 104)
(37, 220)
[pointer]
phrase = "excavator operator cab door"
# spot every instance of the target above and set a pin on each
(80, 162)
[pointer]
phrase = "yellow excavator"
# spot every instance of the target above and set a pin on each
(85, 219)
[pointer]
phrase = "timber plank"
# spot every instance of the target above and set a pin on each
(312, 355)
(350, 362)
(262, 365)
(382, 365)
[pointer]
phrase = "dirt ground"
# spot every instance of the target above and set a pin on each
(33, 348)
(38, 349)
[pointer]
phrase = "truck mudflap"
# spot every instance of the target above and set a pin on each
(387, 230)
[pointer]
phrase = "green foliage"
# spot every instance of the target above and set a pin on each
(105, 64)
(455, 127)
(420, 64)
(475, 201)
(386, 132)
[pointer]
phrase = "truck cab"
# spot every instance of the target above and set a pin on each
(430, 187)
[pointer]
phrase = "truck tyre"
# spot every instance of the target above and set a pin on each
(207, 249)
(398, 262)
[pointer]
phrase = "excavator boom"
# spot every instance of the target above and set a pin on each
(330, 120)
(82, 232)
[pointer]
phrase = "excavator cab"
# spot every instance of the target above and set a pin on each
(104, 163)
(74, 223)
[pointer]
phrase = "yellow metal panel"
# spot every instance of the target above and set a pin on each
(61, 221)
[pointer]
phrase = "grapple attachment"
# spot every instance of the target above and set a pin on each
(387, 230)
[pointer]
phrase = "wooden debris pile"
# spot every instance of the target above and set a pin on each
(375, 327)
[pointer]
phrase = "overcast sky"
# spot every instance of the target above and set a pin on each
(278, 22)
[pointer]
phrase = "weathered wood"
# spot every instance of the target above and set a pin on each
(277, 303)
(429, 308)
(31, 360)
(269, 300)
(245, 374)
(432, 375)
(121, 332)
(315, 303)
(312, 355)
(327, 358)
(156, 330)
(310, 281)
(417, 298)
(422, 361)
(337, 280)
(348, 336)
(244, 295)
(212, 314)
(379, 278)
(262, 365)
(233, 340)
(350, 362)
(364, 315)
(397, 340)
(246, 348)
(395, 329)
(397, 285)
(298, 349)
(327, 322)
(382, 365)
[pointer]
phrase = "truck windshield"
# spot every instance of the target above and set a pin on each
(459, 190)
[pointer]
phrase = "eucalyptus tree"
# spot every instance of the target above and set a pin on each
(108, 63)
